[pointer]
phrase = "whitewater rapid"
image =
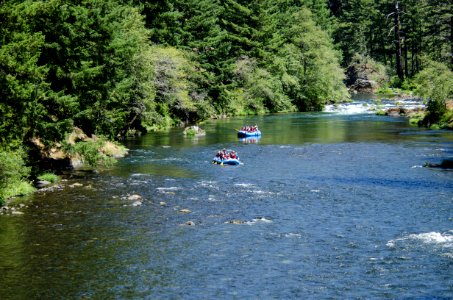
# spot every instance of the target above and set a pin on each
(372, 106)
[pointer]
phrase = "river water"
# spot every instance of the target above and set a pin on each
(325, 205)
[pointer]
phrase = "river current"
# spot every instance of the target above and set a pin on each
(325, 205)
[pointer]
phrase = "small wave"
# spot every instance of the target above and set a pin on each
(293, 235)
(444, 239)
(368, 107)
(244, 184)
(431, 238)
(350, 108)
(171, 159)
(168, 189)
(138, 174)
(259, 192)
(259, 220)
(207, 183)
(391, 244)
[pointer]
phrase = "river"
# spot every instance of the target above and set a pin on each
(325, 205)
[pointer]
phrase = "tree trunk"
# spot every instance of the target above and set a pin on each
(399, 67)
(406, 64)
(412, 59)
(451, 43)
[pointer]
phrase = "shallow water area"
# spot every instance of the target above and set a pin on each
(324, 205)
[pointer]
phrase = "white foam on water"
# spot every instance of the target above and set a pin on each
(444, 240)
(293, 235)
(171, 159)
(350, 108)
(138, 174)
(244, 184)
(259, 220)
(207, 183)
(164, 189)
(212, 198)
(364, 107)
(391, 244)
(260, 192)
(416, 166)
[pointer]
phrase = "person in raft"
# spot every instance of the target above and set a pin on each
(224, 154)
(250, 128)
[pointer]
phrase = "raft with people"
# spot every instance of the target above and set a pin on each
(248, 131)
(226, 157)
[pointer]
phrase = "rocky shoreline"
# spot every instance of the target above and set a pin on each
(404, 112)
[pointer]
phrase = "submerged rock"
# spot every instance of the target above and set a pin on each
(401, 111)
(134, 197)
(445, 164)
(236, 222)
(42, 183)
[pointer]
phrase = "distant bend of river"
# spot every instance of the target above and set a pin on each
(325, 205)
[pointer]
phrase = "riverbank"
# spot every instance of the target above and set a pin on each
(418, 116)
(77, 152)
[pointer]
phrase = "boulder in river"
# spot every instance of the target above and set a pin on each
(401, 111)
(194, 131)
(364, 75)
(134, 197)
(445, 164)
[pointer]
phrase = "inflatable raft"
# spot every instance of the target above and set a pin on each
(228, 161)
(243, 133)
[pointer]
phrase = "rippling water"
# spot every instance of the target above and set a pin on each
(325, 205)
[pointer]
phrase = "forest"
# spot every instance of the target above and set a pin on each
(111, 69)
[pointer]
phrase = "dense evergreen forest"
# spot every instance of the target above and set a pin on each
(114, 68)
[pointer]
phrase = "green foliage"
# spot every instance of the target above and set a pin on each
(22, 86)
(73, 65)
(164, 19)
(435, 82)
(90, 152)
(13, 175)
(370, 28)
(306, 61)
(259, 92)
(435, 85)
(190, 132)
(355, 24)
(408, 86)
(178, 97)
(51, 177)
(365, 67)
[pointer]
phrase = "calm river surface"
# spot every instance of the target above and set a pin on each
(325, 205)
